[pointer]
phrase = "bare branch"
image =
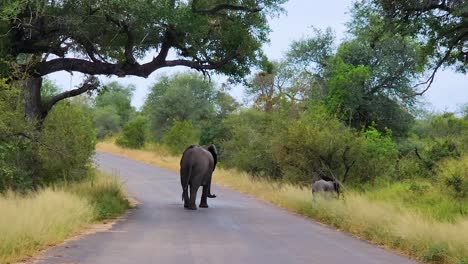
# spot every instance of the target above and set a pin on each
(89, 84)
(430, 80)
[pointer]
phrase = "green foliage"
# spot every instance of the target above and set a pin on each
(453, 173)
(184, 97)
(118, 97)
(134, 133)
(346, 89)
(113, 109)
(366, 79)
(438, 26)
(248, 146)
(180, 136)
(438, 150)
(107, 121)
(48, 89)
(233, 37)
(430, 198)
(314, 146)
(378, 155)
(66, 144)
(214, 130)
(16, 154)
(16, 157)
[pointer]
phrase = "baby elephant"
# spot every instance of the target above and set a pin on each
(326, 186)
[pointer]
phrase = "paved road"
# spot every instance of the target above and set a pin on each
(235, 229)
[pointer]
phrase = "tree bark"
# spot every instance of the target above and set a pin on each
(32, 100)
(34, 114)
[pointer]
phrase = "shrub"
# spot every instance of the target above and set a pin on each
(66, 144)
(377, 155)
(317, 145)
(249, 144)
(453, 173)
(134, 133)
(16, 158)
(15, 149)
(180, 136)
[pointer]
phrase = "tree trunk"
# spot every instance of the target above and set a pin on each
(32, 99)
(34, 114)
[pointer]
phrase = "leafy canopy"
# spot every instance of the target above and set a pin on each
(439, 26)
(109, 37)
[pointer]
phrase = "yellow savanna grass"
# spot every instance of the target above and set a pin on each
(29, 223)
(32, 222)
(384, 223)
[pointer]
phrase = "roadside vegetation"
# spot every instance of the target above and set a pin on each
(35, 220)
(49, 189)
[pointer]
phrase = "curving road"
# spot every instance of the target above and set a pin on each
(235, 229)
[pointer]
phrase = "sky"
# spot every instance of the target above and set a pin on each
(448, 92)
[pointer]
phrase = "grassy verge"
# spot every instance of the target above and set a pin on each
(374, 216)
(29, 223)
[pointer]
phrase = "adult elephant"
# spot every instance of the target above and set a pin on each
(196, 168)
(326, 186)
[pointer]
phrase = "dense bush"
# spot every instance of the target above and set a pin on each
(453, 173)
(377, 156)
(134, 133)
(317, 145)
(16, 159)
(249, 145)
(66, 143)
(16, 155)
(180, 136)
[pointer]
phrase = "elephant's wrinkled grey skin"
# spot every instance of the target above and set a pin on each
(196, 168)
(326, 186)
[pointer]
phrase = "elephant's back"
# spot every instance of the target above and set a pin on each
(319, 185)
(198, 158)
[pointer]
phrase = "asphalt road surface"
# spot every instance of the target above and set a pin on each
(235, 229)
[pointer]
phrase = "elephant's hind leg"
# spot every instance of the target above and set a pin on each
(186, 198)
(193, 197)
(205, 193)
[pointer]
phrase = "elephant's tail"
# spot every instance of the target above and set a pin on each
(186, 180)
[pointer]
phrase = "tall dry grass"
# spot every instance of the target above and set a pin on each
(29, 223)
(384, 223)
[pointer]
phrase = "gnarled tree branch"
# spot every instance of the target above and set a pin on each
(89, 84)
(220, 7)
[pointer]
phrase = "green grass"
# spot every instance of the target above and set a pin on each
(31, 222)
(417, 219)
(423, 197)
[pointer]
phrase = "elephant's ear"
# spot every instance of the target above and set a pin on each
(212, 149)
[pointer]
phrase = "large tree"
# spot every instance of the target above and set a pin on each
(98, 37)
(182, 97)
(440, 26)
(364, 80)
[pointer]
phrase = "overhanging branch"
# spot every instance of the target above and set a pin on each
(220, 7)
(89, 84)
(122, 70)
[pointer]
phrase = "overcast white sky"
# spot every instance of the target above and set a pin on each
(448, 92)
